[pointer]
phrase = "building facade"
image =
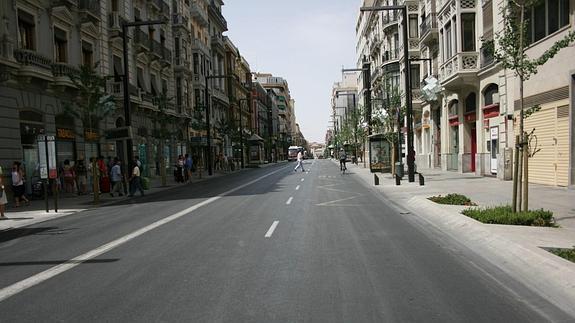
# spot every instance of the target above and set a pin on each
(471, 123)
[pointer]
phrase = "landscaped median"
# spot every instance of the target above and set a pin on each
(498, 214)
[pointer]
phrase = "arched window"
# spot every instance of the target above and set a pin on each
(471, 102)
(491, 94)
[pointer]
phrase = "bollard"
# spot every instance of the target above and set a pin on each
(376, 179)
(421, 179)
(397, 180)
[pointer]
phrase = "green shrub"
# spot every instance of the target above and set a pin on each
(568, 254)
(452, 199)
(505, 215)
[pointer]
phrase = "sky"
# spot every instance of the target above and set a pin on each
(307, 42)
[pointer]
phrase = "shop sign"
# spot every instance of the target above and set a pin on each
(119, 133)
(90, 135)
(63, 133)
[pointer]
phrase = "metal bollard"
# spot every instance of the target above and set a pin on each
(376, 179)
(397, 180)
(421, 179)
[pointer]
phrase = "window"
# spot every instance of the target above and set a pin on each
(471, 102)
(60, 45)
(164, 86)
(87, 54)
(115, 5)
(468, 34)
(196, 63)
(178, 91)
(177, 47)
(26, 30)
(415, 77)
(454, 108)
(491, 94)
(545, 18)
(448, 42)
(413, 28)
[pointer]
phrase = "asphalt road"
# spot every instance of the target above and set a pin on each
(264, 245)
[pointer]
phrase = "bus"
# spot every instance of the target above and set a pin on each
(292, 152)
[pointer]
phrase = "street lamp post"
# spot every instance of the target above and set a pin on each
(409, 108)
(126, 79)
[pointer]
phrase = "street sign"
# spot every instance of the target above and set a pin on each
(47, 156)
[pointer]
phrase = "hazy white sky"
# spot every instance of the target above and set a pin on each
(305, 41)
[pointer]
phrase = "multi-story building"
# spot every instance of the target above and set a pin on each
(54, 39)
(285, 106)
(470, 125)
(344, 98)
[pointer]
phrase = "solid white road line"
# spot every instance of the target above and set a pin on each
(297, 188)
(303, 179)
(272, 228)
(56, 270)
(289, 200)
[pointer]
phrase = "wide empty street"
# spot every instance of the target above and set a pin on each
(261, 245)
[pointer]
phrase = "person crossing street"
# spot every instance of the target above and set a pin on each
(299, 162)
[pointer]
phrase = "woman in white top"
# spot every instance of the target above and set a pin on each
(18, 184)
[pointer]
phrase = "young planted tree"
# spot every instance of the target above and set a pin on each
(509, 51)
(91, 105)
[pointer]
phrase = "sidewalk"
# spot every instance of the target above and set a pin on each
(72, 203)
(519, 251)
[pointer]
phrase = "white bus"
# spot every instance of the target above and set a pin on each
(292, 152)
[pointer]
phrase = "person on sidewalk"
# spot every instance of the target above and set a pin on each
(18, 184)
(81, 176)
(136, 180)
(299, 162)
(189, 163)
(3, 199)
(69, 177)
(116, 178)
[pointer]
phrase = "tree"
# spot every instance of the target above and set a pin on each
(161, 121)
(91, 105)
(509, 51)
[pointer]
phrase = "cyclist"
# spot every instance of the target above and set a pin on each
(342, 159)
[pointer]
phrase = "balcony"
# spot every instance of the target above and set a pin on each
(89, 11)
(460, 68)
(375, 74)
(115, 22)
(199, 13)
(217, 41)
(375, 44)
(198, 45)
(217, 14)
(33, 64)
(180, 21)
(390, 20)
(62, 74)
(70, 4)
(142, 40)
(428, 29)
(181, 64)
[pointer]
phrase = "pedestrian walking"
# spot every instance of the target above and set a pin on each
(3, 199)
(18, 184)
(299, 162)
(81, 176)
(69, 177)
(136, 180)
(104, 179)
(189, 163)
(117, 178)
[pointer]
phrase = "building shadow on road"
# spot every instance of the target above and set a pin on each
(56, 262)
